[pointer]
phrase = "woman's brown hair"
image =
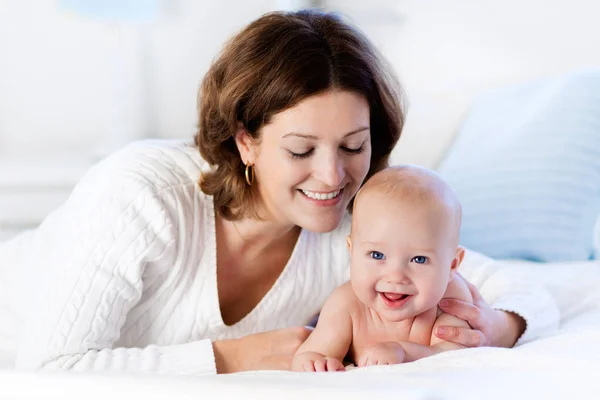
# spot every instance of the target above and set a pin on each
(273, 64)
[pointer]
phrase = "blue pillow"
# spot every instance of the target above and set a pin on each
(526, 167)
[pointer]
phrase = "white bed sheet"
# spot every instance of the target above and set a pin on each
(562, 364)
(6, 360)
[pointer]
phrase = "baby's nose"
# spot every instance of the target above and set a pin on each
(398, 277)
(397, 272)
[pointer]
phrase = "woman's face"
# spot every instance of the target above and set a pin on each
(311, 160)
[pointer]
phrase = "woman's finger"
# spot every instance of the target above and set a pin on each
(462, 336)
(460, 309)
(474, 292)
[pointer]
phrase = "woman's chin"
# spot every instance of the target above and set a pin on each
(320, 225)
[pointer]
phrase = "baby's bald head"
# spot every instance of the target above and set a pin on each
(412, 186)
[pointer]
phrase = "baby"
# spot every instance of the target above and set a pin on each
(404, 257)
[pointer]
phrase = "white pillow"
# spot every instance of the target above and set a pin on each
(597, 239)
(526, 167)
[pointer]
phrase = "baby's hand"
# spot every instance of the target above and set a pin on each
(382, 354)
(314, 362)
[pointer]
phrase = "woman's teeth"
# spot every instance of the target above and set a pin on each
(321, 196)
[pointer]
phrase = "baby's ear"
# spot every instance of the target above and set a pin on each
(349, 242)
(457, 260)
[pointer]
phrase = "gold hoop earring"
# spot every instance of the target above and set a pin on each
(249, 174)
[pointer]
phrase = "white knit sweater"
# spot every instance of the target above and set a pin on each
(122, 277)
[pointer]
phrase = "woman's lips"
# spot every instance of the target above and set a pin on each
(325, 202)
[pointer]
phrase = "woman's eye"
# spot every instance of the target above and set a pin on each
(301, 155)
(419, 259)
(354, 151)
(308, 153)
(377, 255)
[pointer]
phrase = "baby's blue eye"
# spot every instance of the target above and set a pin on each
(377, 255)
(420, 259)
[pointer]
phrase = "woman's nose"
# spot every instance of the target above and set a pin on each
(331, 171)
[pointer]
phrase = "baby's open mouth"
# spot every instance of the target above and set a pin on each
(394, 300)
(395, 296)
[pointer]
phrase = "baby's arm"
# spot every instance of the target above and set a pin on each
(328, 344)
(457, 289)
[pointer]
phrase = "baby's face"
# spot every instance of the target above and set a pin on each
(401, 255)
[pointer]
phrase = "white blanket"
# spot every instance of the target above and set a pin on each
(563, 364)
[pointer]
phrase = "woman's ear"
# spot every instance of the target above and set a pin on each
(457, 260)
(349, 242)
(245, 144)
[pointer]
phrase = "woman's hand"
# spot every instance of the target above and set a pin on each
(273, 350)
(490, 327)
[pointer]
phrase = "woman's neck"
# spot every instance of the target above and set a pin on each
(252, 237)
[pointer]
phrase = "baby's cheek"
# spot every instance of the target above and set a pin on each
(363, 286)
(441, 289)
(361, 282)
(434, 292)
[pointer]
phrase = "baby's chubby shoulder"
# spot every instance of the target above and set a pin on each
(458, 289)
(342, 299)
(343, 294)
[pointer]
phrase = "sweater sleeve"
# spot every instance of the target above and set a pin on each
(87, 264)
(508, 291)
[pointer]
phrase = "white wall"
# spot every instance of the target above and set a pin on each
(450, 44)
(52, 80)
(449, 51)
(57, 70)
(57, 80)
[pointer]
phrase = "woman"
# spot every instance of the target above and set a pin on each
(173, 260)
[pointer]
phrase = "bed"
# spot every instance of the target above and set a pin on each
(563, 363)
